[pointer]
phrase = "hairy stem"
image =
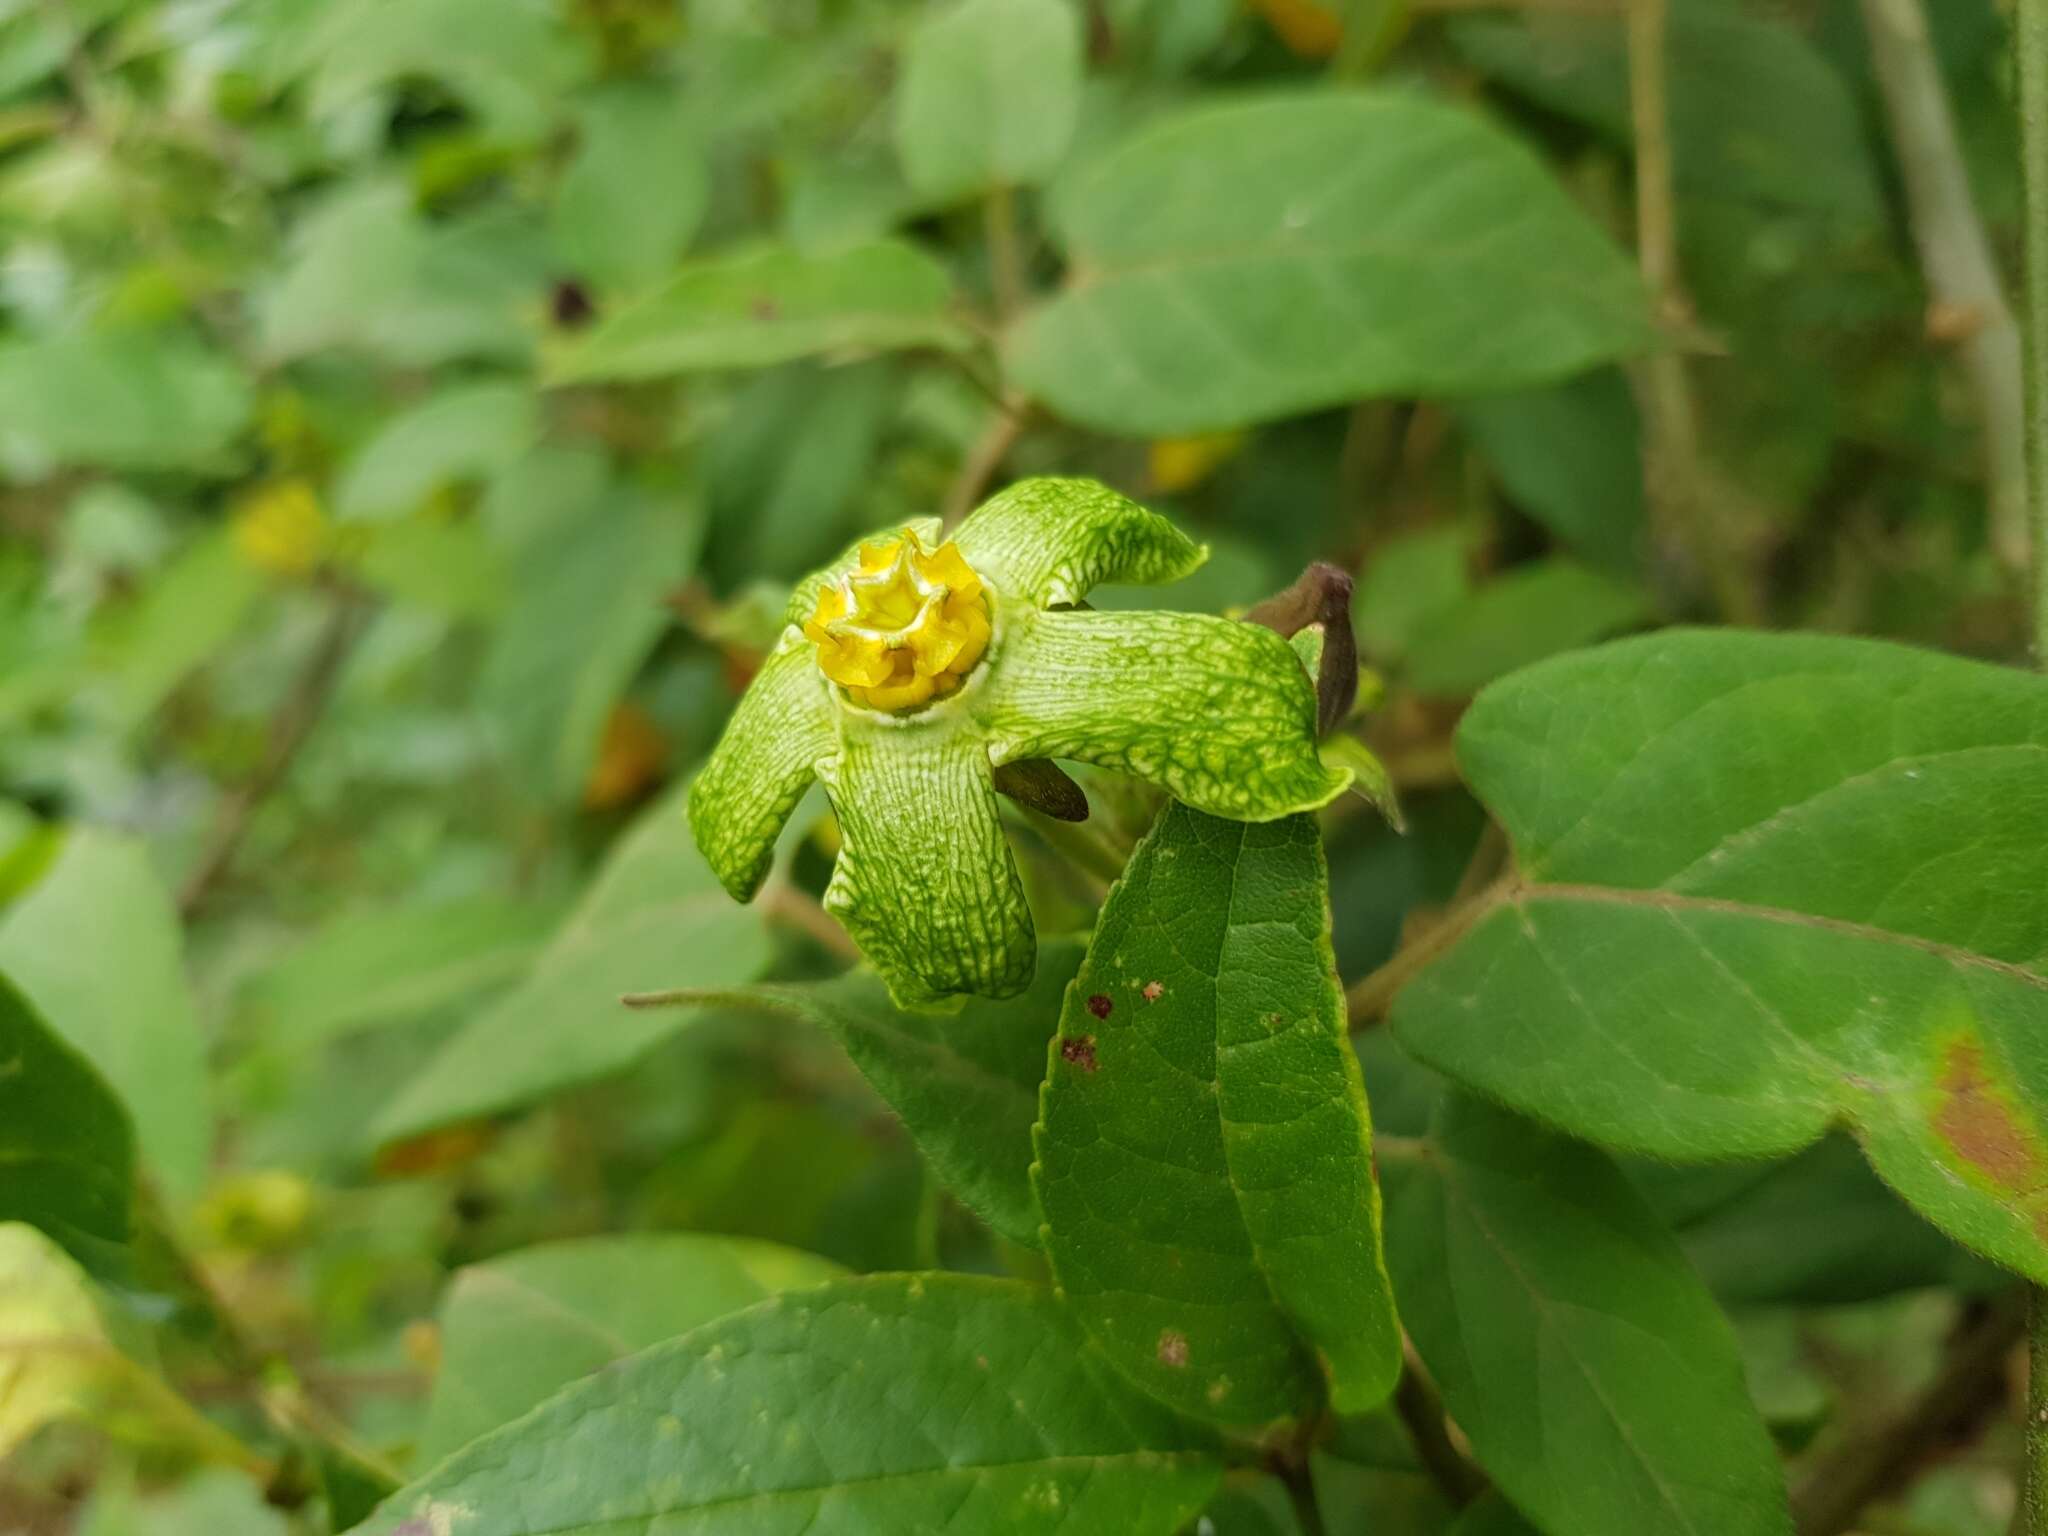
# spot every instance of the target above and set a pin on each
(791, 904)
(292, 723)
(1368, 998)
(983, 460)
(2031, 22)
(1676, 475)
(1970, 1384)
(1422, 1412)
(290, 1410)
(1955, 255)
(1005, 254)
(1300, 1484)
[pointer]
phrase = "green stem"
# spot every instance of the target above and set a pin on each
(1005, 254)
(2032, 42)
(2034, 1471)
(1301, 1493)
(1367, 999)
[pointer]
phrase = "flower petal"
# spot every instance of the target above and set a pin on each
(925, 881)
(1050, 540)
(803, 597)
(761, 767)
(1218, 714)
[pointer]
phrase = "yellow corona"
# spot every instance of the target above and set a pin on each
(904, 626)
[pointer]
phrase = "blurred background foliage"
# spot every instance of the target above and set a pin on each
(412, 410)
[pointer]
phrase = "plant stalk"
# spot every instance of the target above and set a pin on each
(2031, 44)
(1955, 255)
(1677, 478)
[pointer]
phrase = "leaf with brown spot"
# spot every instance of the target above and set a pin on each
(1765, 884)
(1206, 1177)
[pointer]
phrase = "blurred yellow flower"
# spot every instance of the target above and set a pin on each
(1308, 28)
(1182, 463)
(281, 528)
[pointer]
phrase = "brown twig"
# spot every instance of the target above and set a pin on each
(2030, 45)
(1367, 999)
(292, 723)
(1422, 1411)
(984, 459)
(1675, 474)
(1972, 1383)
(1570, 7)
(286, 1405)
(785, 903)
(1005, 253)
(1955, 255)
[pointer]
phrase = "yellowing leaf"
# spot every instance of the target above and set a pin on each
(58, 1362)
(51, 1338)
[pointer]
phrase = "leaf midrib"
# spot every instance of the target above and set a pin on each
(1543, 1303)
(1150, 1458)
(1681, 903)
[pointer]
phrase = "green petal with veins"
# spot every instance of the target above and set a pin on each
(1218, 714)
(1048, 541)
(761, 767)
(925, 882)
(803, 597)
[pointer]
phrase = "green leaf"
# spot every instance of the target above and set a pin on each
(1405, 581)
(780, 514)
(1236, 263)
(388, 965)
(67, 1156)
(444, 565)
(1818, 1229)
(1570, 455)
(1798, 142)
(913, 1403)
(990, 93)
(213, 1501)
(507, 60)
(636, 191)
(516, 1329)
(1051, 540)
(599, 572)
(965, 1083)
(925, 881)
(94, 945)
(467, 432)
(1574, 1346)
(368, 274)
(1491, 1515)
(117, 401)
(1768, 883)
(768, 305)
(654, 917)
(764, 761)
(1219, 714)
(1534, 611)
(1204, 1147)
(191, 608)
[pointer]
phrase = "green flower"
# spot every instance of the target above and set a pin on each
(907, 673)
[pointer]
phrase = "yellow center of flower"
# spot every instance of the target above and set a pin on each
(904, 626)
